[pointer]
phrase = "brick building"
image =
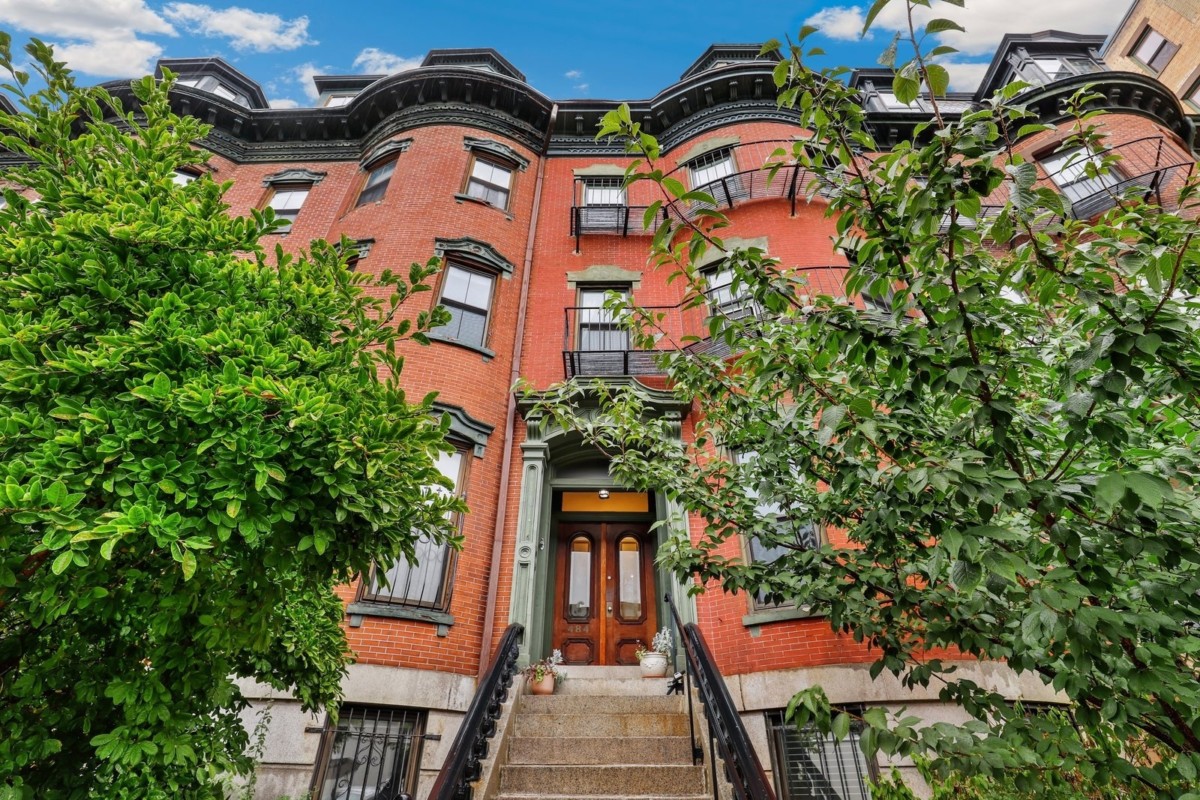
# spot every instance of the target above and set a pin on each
(1160, 38)
(462, 158)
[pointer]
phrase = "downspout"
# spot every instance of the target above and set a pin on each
(510, 419)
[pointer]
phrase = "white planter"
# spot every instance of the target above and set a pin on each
(654, 665)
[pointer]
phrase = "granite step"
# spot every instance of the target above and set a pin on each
(548, 750)
(661, 780)
(582, 726)
(602, 704)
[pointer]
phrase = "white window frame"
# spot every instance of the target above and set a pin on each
(286, 201)
(483, 181)
(466, 302)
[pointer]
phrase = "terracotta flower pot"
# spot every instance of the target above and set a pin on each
(654, 665)
(544, 686)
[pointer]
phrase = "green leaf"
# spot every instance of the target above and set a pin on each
(841, 726)
(189, 564)
(940, 25)
(939, 79)
(966, 575)
(1150, 489)
(61, 562)
(1109, 490)
(872, 13)
(905, 88)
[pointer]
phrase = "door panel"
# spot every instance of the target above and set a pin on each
(604, 593)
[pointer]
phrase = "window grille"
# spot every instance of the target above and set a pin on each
(372, 753)
(424, 582)
(810, 765)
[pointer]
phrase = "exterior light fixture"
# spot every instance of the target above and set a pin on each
(603, 494)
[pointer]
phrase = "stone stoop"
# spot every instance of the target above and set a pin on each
(605, 733)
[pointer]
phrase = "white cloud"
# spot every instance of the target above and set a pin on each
(304, 74)
(99, 38)
(573, 74)
(582, 87)
(987, 21)
(283, 102)
(110, 57)
(84, 19)
(245, 29)
(373, 61)
(839, 22)
(965, 76)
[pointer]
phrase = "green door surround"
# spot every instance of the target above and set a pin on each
(547, 444)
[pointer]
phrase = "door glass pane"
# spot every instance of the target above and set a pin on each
(629, 568)
(579, 584)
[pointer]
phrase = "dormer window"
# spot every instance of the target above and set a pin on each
(887, 101)
(338, 100)
(207, 83)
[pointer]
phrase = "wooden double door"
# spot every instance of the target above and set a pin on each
(604, 594)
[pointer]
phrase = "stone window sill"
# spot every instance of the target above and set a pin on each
(487, 353)
(768, 615)
(460, 197)
(361, 609)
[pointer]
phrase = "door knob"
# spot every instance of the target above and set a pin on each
(610, 609)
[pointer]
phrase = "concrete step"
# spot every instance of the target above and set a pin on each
(603, 781)
(592, 681)
(590, 725)
(544, 796)
(532, 750)
(602, 704)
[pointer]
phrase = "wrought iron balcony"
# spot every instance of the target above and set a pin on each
(595, 344)
(1150, 166)
(733, 175)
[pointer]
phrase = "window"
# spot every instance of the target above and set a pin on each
(207, 83)
(182, 177)
(376, 184)
(599, 329)
(724, 299)
(889, 102)
(426, 582)
(1079, 182)
(467, 295)
(810, 765)
(710, 168)
(286, 202)
(1193, 96)
(791, 528)
(603, 192)
(338, 100)
(372, 753)
(1153, 50)
(489, 181)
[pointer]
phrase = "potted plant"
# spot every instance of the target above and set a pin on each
(544, 674)
(654, 661)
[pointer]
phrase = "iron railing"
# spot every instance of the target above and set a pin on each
(727, 736)
(470, 748)
(595, 344)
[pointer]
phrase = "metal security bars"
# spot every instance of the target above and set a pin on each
(470, 748)
(810, 765)
(727, 736)
(371, 753)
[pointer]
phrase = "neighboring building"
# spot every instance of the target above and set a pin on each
(1161, 38)
(462, 158)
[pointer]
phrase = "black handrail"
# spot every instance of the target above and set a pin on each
(471, 744)
(725, 729)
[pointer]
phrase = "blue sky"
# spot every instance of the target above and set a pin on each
(615, 49)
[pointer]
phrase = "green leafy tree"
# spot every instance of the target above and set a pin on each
(197, 443)
(1011, 450)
